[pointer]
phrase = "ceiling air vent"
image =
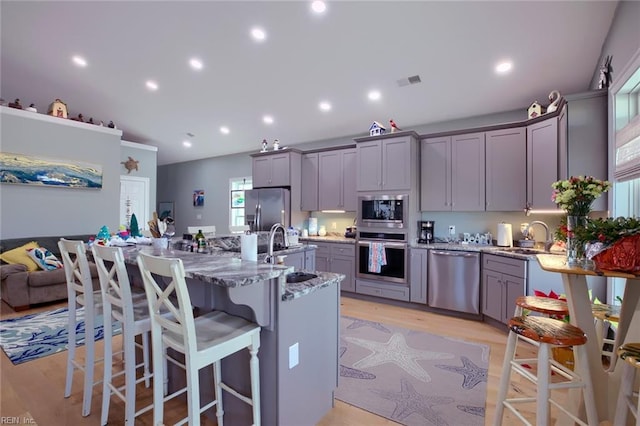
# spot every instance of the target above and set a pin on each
(414, 79)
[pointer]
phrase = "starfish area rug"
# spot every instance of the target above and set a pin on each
(37, 335)
(412, 377)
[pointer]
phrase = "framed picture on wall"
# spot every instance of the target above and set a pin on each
(165, 209)
(237, 199)
(198, 197)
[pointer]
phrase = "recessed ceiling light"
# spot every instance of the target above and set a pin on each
(224, 130)
(79, 61)
(258, 34)
(325, 106)
(374, 95)
(196, 64)
(504, 67)
(186, 144)
(267, 119)
(151, 85)
(318, 6)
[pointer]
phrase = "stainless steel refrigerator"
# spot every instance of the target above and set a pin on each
(265, 206)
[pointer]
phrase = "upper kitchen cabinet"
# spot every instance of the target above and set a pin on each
(276, 168)
(542, 163)
(309, 184)
(506, 162)
(583, 138)
(453, 173)
(387, 162)
(337, 176)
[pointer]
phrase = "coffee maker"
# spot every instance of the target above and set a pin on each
(425, 231)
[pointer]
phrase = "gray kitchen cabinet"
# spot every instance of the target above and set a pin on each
(418, 275)
(542, 163)
(275, 169)
(302, 260)
(309, 184)
(503, 281)
(387, 163)
(453, 173)
(338, 258)
(310, 260)
(337, 189)
(505, 171)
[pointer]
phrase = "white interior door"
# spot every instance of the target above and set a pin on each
(134, 199)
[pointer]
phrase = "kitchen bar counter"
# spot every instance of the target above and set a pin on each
(329, 239)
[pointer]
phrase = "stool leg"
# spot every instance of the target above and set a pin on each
(71, 350)
(193, 392)
(587, 392)
(145, 358)
(505, 378)
(543, 393)
(217, 379)
(129, 376)
(255, 379)
(108, 359)
(624, 393)
(159, 374)
(89, 361)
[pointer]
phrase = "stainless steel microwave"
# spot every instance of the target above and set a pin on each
(385, 211)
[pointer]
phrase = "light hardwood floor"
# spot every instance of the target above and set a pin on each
(34, 390)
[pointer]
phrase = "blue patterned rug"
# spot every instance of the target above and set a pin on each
(38, 335)
(412, 377)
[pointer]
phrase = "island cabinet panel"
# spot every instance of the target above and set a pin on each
(303, 260)
(309, 184)
(503, 281)
(453, 173)
(506, 170)
(338, 258)
(386, 164)
(418, 275)
(542, 163)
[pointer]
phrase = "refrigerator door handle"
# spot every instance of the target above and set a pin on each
(258, 226)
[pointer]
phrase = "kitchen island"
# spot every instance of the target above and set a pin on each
(299, 338)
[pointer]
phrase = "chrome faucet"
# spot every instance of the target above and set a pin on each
(547, 234)
(272, 234)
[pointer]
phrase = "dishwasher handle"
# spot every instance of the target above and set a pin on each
(453, 253)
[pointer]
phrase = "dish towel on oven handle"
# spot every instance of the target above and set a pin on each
(377, 257)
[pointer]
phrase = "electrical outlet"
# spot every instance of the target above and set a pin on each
(293, 355)
(452, 230)
(334, 225)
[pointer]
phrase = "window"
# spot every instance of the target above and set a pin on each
(237, 186)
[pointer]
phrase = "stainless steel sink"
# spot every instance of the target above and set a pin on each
(299, 277)
(521, 250)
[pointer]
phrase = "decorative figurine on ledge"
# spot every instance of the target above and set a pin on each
(554, 98)
(394, 127)
(111, 125)
(15, 104)
(31, 108)
(276, 145)
(264, 145)
(377, 129)
(58, 108)
(605, 73)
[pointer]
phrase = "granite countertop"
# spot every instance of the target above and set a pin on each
(226, 269)
(501, 251)
(340, 239)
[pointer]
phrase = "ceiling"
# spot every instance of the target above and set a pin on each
(340, 56)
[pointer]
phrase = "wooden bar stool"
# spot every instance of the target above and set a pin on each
(203, 341)
(604, 315)
(554, 308)
(544, 333)
(630, 353)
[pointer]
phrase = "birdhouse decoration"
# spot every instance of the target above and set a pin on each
(58, 108)
(535, 110)
(377, 129)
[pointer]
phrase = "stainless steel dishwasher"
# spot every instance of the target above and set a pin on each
(454, 280)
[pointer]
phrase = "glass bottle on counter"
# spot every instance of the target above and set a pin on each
(202, 242)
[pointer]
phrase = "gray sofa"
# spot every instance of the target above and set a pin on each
(20, 288)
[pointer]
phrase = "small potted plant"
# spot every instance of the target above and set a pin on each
(612, 243)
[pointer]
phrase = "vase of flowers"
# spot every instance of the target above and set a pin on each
(576, 195)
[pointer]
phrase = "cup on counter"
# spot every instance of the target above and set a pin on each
(305, 233)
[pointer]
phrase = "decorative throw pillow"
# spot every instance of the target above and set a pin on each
(45, 259)
(20, 255)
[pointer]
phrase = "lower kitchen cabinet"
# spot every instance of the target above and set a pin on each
(503, 281)
(338, 258)
(418, 275)
(303, 260)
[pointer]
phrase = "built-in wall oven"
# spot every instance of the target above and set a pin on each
(382, 256)
(383, 211)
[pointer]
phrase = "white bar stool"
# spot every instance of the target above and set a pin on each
(603, 316)
(544, 333)
(628, 400)
(80, 292)
(204, 340)
(129, 307)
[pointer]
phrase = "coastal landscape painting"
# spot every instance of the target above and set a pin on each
(31, 170)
